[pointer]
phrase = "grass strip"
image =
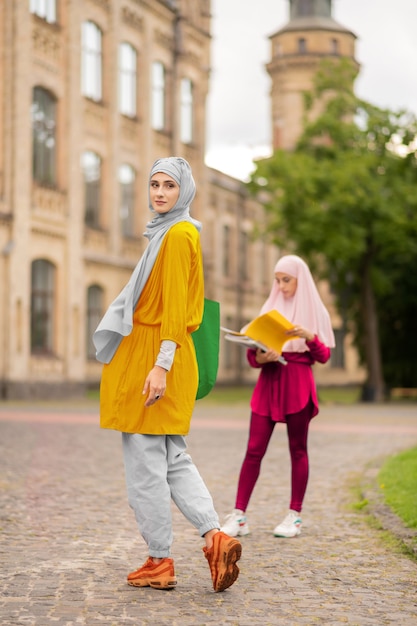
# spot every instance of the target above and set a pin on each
(398, 482)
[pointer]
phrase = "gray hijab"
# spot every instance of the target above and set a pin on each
(117, 322)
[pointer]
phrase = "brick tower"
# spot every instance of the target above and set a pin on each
(296, 50)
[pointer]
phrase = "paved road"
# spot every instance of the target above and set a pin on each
(68, 538)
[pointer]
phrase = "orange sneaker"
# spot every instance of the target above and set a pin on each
(158, 576)
(222, 557)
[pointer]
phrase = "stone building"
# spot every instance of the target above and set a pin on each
(91, 93)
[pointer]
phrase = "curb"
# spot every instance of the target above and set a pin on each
(386, 517)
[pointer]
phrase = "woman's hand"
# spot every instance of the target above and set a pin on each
(299, 331)
(155, 385)
(266, 357)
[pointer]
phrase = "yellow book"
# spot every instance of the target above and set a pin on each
(266, 331)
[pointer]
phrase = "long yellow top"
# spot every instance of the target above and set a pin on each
(170, 307)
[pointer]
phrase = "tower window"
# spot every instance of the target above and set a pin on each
(302, 45)
(334, 46)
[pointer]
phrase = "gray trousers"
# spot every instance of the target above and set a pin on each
(158, 469)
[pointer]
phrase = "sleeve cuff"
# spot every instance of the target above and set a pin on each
(166, 354)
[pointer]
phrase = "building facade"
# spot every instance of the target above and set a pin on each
(91, 93)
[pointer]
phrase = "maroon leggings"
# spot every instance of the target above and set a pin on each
(261, 429)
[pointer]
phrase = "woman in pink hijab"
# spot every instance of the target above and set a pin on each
(285, 393)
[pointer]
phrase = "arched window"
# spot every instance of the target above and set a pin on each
(158, 96)
(94, 315)
(127, 79)
(186, 110)
(43, 137)
(42, 307)
(127, 177)
(91, 61)
(91, 166)
(46, 9)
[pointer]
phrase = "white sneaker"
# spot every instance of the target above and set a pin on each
(235, 524)
(290, 526)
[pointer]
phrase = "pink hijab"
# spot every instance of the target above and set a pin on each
(304, 308)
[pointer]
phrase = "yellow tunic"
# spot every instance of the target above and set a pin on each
(170, 307)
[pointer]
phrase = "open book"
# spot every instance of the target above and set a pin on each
(265, 332)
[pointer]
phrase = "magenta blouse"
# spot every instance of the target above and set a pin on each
(284, 389)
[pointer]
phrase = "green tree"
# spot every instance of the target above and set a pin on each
(346, 200)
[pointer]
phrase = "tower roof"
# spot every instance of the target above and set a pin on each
(312, 15)
(299, 8)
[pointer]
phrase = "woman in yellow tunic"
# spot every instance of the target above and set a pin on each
(150, 380)
(178, 268)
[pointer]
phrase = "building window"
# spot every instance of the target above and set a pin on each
(265, 266)
(91, 167)
(229, 347)
(91, 61)
(43, 135)
(186, 111)
(127, 177)
(244, 256)
(226, 250)
(302, 46)
(46, 9)
(337, 358)
(94, 315)
(127, 79)
(334, 43)
(42, 307)
(158, 96)
(278, 49)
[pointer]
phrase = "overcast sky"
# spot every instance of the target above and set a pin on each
(238, 104)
